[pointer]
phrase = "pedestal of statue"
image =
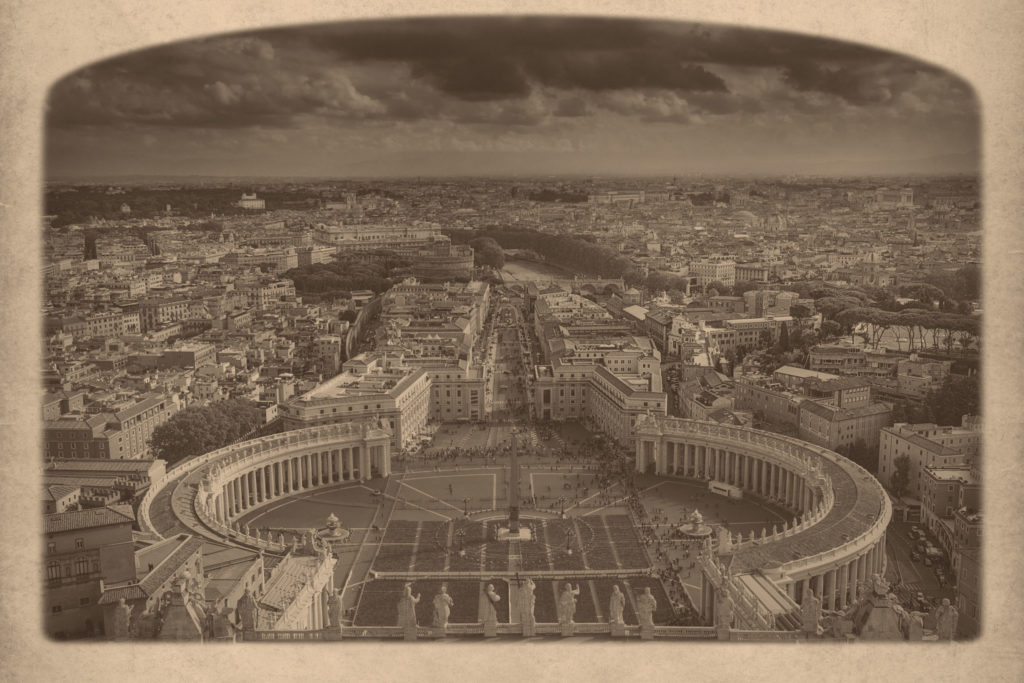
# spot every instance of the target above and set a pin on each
(567, 629)
(529, 629)
(646, 632)
(723, 633)
(490, 629)
(409, 633)
(618, 630)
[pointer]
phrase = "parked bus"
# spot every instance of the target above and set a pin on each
(726, 490)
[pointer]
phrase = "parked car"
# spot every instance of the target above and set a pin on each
(927, 561)
(912, 535)
(915, 556)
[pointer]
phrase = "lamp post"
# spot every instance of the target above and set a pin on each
(465, 501)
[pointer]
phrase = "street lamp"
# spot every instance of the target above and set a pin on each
(466, 503)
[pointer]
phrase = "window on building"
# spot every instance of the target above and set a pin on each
(79, 543)
(56, 609)
(53, 570)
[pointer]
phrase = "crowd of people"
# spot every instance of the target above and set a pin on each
(601, 474)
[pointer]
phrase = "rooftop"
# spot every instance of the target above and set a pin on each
(86, 519)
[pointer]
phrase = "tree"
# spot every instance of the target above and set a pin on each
(800, 311)
(487, 252)
(719, 288)
(830, 329)
(957, 397)
(743, 286)
(194, 431)
(900, 478)
(784, 338)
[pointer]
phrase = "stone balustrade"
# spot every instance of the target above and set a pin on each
(232, 481)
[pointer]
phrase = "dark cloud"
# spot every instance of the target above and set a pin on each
(572, 107)
(455, 69)
(855, 87)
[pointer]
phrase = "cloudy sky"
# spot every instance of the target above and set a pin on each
(509, 96)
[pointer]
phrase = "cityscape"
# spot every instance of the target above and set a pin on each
(508, 329)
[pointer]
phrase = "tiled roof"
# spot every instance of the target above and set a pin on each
(100, 465)
(86, 519)
(131, 592)
(58, 491)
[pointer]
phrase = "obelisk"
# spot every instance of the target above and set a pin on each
(513, 491)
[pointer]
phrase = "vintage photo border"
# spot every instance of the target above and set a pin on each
(43, 41)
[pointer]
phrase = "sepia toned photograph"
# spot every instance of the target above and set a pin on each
(505, 328)
(657, 337)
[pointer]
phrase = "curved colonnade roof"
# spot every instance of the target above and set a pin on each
(858, 504)
(859, 498)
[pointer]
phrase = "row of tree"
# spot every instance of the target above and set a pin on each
(914, 325)
(376, 272)
(195, 431)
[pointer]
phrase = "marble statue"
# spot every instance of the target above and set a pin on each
(946, 617)
(811, 613)
(247, 611)
(334, 609)
(645, 606)
(122, 620)
(147, 626)
(245, 529)
(567, 603)
(443, 604)
(724, 612)
(280, 538)
(915, 627)
(491, 599)
(527, 601)
(879, 585)
(615, 606)
(407, 608)
(220, 626)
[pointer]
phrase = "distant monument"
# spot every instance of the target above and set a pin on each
(513, 531)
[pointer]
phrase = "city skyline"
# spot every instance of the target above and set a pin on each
(528, 96)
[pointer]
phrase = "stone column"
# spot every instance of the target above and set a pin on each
(245, 491)
(229, 495)
(364, 467)
(844, 587)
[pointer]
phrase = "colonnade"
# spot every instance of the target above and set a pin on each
(289, 474)
(836, 583)
(751, 473)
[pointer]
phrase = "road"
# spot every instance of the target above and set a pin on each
(914, 576)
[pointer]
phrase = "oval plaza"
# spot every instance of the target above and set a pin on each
(833, 543)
